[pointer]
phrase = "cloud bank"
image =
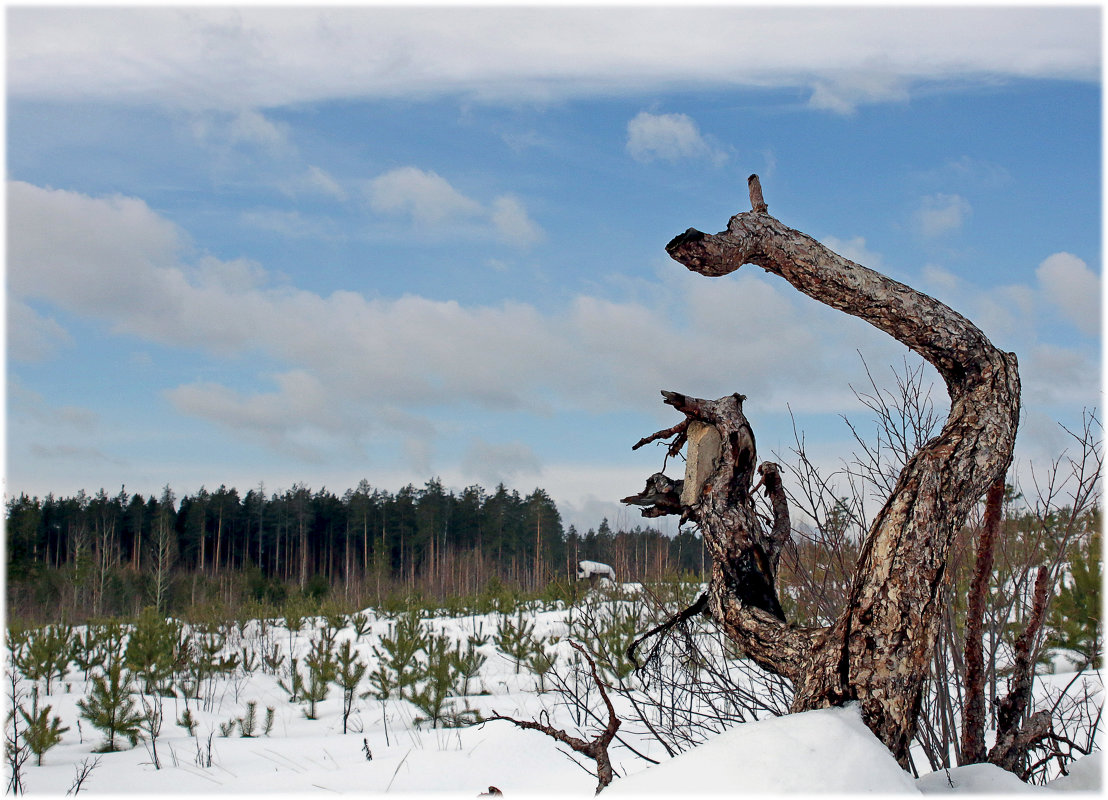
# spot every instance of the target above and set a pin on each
(354, 369)
(115, 260)
(248, 58)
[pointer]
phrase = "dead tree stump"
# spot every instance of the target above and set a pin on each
(878, 651)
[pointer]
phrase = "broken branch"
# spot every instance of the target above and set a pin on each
(596, 749)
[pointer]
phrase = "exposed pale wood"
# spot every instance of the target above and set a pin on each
(701, 459)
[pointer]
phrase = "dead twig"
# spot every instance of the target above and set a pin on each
(597, 748)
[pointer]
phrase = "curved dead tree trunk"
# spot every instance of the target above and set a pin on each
(879, 649)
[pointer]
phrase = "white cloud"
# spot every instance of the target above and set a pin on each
(966, 170)
(403, 360)
(669, 137)
(227, 130)
(293, 224)
(942, 279)
(70, 453)
(409, 352)
(433, 203)
(296, 418)
(854, 249)
(280, 56)
(940, 214)
(842, 92)
(1053, 376)
(512, 223)
(252, 127)
(101, 253)
(32, 337)
(1073, 289)
(425, 196)
(73, 419)
(493, 463)
(316, 180)
(1006, 313)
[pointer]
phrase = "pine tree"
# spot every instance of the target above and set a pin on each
(349, 672)
(1075, 614)
(295, 686)
(467, 664)
(321, 671)
(397, 654)
(249, 723)
(41, 732)
(110, 706)
(439, 676)
(540, 663)
(515, 639)
(48, 653)
(152, 650)
(188, 722)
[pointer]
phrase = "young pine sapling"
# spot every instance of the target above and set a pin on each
(110, 706)
(40, 731)
(349, 672)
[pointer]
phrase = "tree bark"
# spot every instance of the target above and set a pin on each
(879, 649)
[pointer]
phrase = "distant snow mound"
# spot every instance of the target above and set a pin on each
(825, 751)
(1086, 775)
(974, 779)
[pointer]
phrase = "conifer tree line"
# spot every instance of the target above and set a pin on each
(107, 554)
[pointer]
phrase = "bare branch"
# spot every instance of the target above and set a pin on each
(597, 748)
(1013, 739)
(973, 714)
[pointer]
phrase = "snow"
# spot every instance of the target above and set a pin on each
(586, 569)
(829, 750)
(1086, 775)
(975, 779)
(823, 751)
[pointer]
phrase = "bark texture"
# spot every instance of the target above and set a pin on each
(878, 651)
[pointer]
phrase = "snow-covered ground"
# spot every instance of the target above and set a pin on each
(821, 751)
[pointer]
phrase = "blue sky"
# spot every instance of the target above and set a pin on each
(286, 245)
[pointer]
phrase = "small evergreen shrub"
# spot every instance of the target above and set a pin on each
(40, 732)
(47, 653)
(110, 706)
(361, 623)
(321, 671)
(153, 651)
(437, 678)
(397, 654)
(248, 724)
(467, 664)
(349, 672)
(188, 722)
(515, 638)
